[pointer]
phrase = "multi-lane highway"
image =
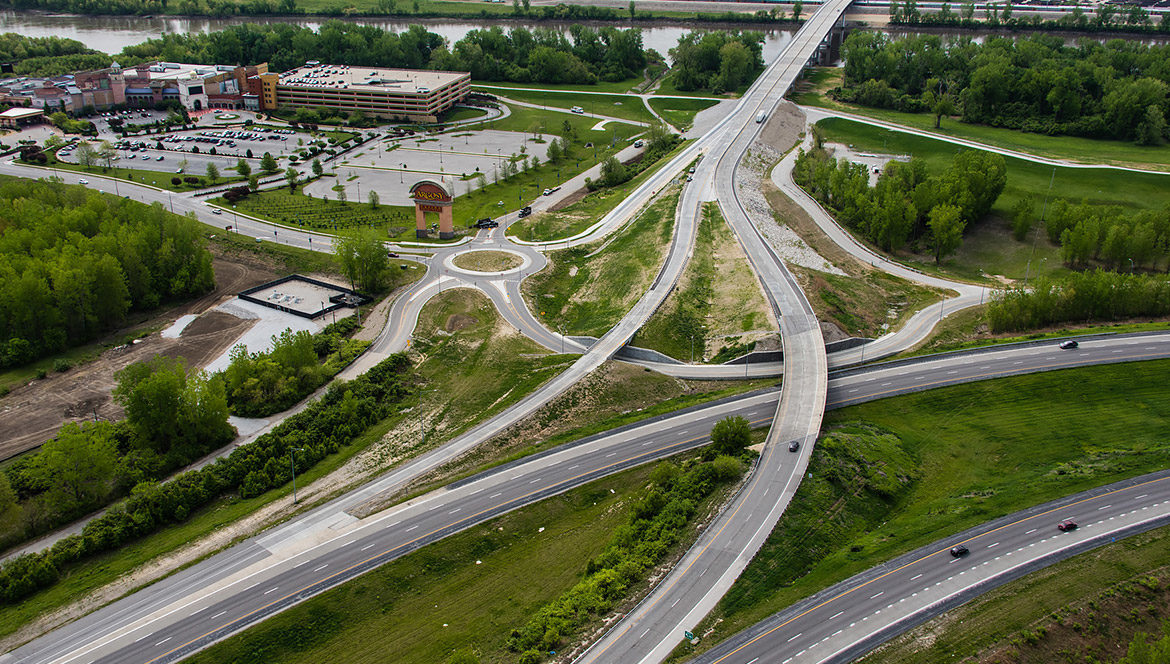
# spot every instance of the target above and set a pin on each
(269, 572)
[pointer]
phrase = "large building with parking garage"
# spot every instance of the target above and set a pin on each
(406, 94)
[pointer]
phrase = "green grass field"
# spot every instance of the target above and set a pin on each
(577, 217)
(976, 452)
(680, 112)
(615, 87)
(586, 294)
(667, 88)
(1074, 148)
(626, 107)
(988, 245)
(139, 176)
(1090, 605)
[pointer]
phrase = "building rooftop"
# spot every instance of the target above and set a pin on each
(18, 113)
(171, 71)
(318, 76)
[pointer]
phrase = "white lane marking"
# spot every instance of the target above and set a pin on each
(1031, 531)
(368, 546)
(885, 384)
(1104, 508)
(140, 638)
(915, 577)
(703, 572)
(217, 615)
(570, 468)
(878, 595)
(321, 567)
(951, 373)
(991, 545)
(412, 528)
(162, 642)
(837, 632)
(1141, 496)
(851, 391)
(495, 495)
(535, 481)
(793, 638)
(610, 454)
(645, 633)
(649, 442)
(272, 589)
(835, 615)
(455, 510)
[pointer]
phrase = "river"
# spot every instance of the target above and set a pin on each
(110, 34)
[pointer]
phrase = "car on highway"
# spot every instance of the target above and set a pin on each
(639, 143)
(216, 211)
(391, 254)
(1066, 525)
(1069, 345)
(577, 109)
(793, 445)
(83, 181)
(959, 551)
(524, 211)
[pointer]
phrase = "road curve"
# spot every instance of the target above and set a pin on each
(267, 573)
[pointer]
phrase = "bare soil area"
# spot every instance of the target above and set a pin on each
(34, 412)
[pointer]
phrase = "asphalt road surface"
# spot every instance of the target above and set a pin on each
(270, 572)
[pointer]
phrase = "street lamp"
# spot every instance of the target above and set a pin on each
(293, 467)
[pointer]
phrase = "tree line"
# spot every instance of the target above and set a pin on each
(1038, 84)
(718, 61)
(907, 206)
(1105, 18)
(345, 411)
(1102, 234)
(519, 55)
(1079, 298)
(659, 142)
(174, 415)
(74, 262)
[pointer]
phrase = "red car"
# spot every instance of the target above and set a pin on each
(1066, 525)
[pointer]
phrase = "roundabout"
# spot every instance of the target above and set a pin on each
(227, 116)
(487, 261)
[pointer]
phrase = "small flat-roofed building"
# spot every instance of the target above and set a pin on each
(15, 118)
(407, 94)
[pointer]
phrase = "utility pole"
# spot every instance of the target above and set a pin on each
(293, 467)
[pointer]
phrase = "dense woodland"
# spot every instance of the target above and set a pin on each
(74, 262)
(1104, 17)
(908, 205)
(1115, 90)
(1108, 235)
(48, 56)
(718, 61)
(1077, 298)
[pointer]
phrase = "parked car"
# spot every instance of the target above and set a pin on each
(524, 211)
(959, 551)
(793, 445)
(1066, 525)
(1069, 345)
(486, 222)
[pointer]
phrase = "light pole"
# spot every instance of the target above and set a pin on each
(561, 329)
(293, 467)
(692, 349)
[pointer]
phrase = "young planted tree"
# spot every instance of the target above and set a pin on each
(946, 230)
(243, 168)
(318, 169)
(372, 197)
(212, 172)
(268, 164)
(291, 176)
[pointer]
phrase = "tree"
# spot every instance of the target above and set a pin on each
(169, 406)
(318, 169)
(268, 164)
(78, 467)
(372, 197)
(254, 182)
(107, 153)
(554, 151)
(731, 435)
(946, 230)
(798, 9)
(633, 9)
(243, 168)
(339, 189)
(183, 163)
(86, 155)
(212, 172)
(291, 175)
(1023, 217)
(363, 259)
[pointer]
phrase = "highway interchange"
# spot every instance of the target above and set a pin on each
(327, 545)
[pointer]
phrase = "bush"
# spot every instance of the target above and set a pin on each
(61, 365)
(176, 181)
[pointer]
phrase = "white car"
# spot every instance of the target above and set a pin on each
(216, 211)
(83, 181)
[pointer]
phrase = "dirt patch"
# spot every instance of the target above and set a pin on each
(569, 200)
(34, 412)
(456, 322)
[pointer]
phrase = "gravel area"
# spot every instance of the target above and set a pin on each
(762, 155)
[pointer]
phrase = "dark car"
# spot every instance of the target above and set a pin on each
(525, 211)
(391, 254)
(793, 445)
(1066, 525)
(959, 551)
(486, 222)
(1069, 345)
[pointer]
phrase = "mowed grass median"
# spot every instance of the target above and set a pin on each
(895, 474)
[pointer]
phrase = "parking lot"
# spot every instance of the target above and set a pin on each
(390, 166)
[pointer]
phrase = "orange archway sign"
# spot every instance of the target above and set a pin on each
(431, 196)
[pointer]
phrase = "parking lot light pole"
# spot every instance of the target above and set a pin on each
(293, 467)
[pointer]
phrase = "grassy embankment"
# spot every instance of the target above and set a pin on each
(465, 594)
(863, 302)
(718, 302)
(488, 261)
(894, 474)
(626, 107)
(813, 92)
(988, 247)
(586, 290)
(580, 215)
(680, 112)
(159, 179)
(613, 87)
(1088, 607)
(969, 329)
